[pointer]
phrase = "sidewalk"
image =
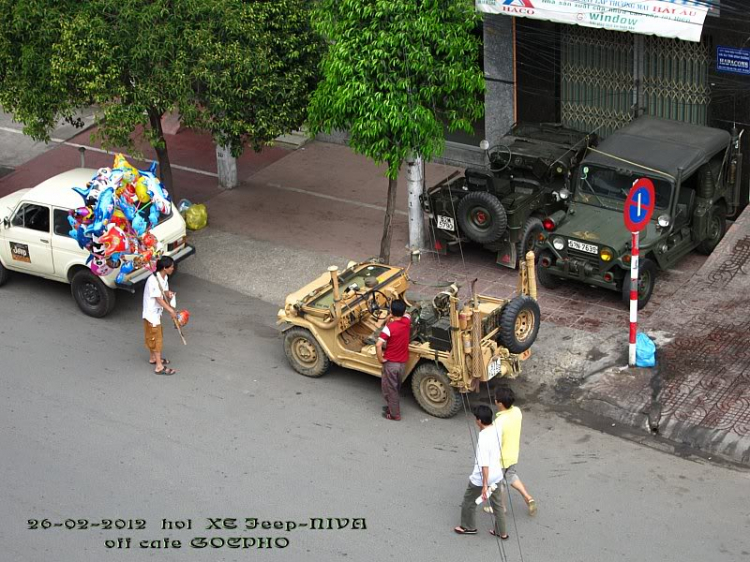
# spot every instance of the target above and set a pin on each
(297, 212)
(699, 394)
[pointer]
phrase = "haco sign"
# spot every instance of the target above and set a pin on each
(679, 19)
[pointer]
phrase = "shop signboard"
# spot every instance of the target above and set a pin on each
(679, 19)
(736, 61)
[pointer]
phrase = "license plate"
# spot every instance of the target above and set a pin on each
(590, 248)
(494, 368)
(445, 223)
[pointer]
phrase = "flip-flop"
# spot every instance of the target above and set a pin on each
(532, 506)
(461, 531)
(163, 362)
(165, 371)
(494, 534)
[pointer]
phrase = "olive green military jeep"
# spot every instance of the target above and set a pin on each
(695, 171)
(502, 206)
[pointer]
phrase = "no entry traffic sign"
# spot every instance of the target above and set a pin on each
(639, 206)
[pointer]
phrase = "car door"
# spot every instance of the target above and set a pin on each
(28, 239)
(65, 250)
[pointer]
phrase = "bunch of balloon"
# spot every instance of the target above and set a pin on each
(120, 207)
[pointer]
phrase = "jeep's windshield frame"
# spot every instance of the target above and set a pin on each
(605, 187)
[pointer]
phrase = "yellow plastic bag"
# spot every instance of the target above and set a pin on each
(196, 217)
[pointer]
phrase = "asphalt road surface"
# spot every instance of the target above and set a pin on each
(87, 432)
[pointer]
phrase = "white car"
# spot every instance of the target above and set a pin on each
(34, 239)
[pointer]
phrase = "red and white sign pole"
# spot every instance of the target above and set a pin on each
(633, 298)
(637, 212)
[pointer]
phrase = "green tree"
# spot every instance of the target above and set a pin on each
(241, 70)
(395, 72)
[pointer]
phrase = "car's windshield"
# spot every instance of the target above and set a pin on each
(349, 279)
(604, 187)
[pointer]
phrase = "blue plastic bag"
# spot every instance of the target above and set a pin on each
(645, 351)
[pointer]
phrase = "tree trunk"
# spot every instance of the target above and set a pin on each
(162, 155)
(385, 242)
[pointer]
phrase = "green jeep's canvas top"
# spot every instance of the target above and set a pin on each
(660, 144)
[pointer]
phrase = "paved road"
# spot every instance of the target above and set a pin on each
(88, 432)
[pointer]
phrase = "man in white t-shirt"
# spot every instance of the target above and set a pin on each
(487, 471)
(156, 295)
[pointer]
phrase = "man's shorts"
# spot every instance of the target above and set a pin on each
(510, 474)
(153, 336)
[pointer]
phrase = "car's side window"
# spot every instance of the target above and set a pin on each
(32, 216)
(62, 226)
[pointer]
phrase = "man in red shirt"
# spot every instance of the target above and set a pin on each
(396, 335)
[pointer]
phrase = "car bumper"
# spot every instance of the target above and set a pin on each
(178, 256)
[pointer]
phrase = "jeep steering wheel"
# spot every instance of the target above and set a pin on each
(500, 155)
(374, 307)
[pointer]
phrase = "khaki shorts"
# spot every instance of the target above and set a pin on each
(153, 336)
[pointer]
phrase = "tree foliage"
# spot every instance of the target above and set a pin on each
(395, 74)
(241, 70)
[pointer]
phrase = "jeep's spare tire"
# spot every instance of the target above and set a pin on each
(519, 324)
(482, 217)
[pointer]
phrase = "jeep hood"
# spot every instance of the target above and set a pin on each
(603, 227)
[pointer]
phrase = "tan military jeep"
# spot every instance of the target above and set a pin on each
(454, 346)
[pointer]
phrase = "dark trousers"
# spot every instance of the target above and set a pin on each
(469, 508)
(390, 384)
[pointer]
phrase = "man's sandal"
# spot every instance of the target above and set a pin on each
(462, 531)
(503, 537)
(165, 371)
(163, 362)
(532, 506)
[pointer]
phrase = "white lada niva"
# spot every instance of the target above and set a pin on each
(34, 239)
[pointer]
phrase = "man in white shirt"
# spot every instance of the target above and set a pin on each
(156, 295)
(487, 471)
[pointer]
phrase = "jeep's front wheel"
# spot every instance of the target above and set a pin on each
(717, 228)
(433, 391)
(544, 276)
(531, 231)
(92, 296)
(646, 283)
(519, 324)
(304, 353)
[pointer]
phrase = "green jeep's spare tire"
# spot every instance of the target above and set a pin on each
(519, 324)
(482, 217)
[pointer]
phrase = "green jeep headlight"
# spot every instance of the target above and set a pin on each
(606, 254)
(558, 243)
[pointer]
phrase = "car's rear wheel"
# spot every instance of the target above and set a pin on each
(304, 353)
(519, 324)
(92, 296)
(4, 275)
(433, 391)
